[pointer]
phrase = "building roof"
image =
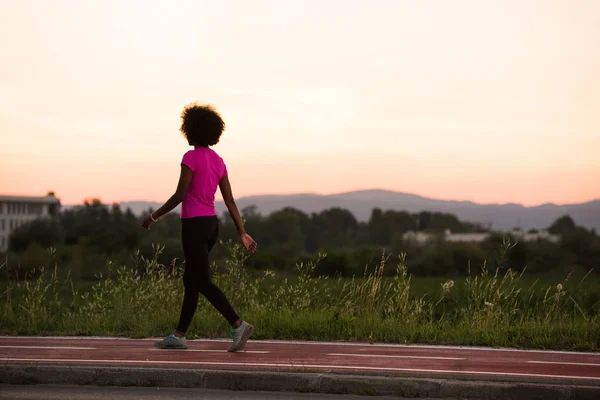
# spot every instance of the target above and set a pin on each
(50, 199)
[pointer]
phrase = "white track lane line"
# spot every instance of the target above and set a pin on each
(212, 351)
(294, 342)
(564, 363)
(393, 356)
(300, 365)
(48, 347)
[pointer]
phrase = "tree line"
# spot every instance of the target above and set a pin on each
(84, 237)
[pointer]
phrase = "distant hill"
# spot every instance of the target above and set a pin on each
(361, 203)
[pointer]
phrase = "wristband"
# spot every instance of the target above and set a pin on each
(152, 217)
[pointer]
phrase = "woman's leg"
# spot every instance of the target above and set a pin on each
(176, 340)
(205, 285)
(241, 330)
(191, 232)
(199, 235)
(190, 303)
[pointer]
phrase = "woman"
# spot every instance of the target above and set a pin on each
(202, 170)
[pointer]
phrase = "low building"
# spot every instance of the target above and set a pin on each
(420, 238)
(423, 238)
(18, 210)
(534, 236)
(466, 237)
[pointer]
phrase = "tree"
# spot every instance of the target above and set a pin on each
(335, 227)
(43, 232)
(439, 222)
(286, 229)
(96, 226)
(382, 227)
(564, 224)
(378, 229)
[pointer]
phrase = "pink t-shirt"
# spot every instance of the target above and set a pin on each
(208, 169)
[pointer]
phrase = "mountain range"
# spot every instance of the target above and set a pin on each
(502, 217)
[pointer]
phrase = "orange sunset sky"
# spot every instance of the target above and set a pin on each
(492, 101)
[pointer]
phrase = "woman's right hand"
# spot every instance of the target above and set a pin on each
(248, 242)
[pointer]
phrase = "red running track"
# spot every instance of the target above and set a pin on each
(395, 360)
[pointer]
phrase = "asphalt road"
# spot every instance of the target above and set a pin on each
(55, 392)
(398, 360)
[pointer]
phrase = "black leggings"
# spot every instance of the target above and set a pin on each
(198, 236)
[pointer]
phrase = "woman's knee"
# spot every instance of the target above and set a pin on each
(206, 287)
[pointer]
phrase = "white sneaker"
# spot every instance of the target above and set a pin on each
(240, 336)
(172, 342)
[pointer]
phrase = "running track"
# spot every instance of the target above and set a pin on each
(364, 359)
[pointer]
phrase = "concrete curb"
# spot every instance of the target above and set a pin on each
(407, 387)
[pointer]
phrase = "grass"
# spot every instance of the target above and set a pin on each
(490, 307)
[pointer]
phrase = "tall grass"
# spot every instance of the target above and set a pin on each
(490, 308)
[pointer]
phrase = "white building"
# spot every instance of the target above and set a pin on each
(424, 238)
(16, 211)
(533, 236)
(466, 237)
(419, 237)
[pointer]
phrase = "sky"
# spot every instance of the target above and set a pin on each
(490, 101)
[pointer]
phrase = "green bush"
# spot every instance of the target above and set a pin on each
(492, 307)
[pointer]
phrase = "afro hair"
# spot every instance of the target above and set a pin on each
(201, 125)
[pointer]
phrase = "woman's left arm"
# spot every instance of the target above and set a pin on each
(185, 178)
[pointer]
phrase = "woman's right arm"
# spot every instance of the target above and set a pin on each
(227, 194)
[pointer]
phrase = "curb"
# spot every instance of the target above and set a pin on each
(326, 383)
